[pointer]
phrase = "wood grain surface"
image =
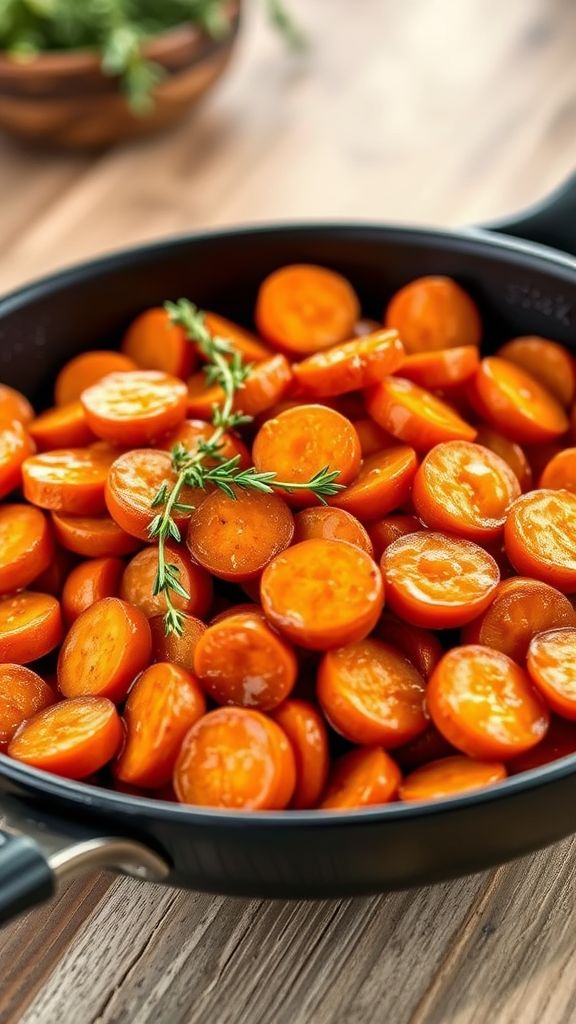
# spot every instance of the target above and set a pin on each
(427, 111)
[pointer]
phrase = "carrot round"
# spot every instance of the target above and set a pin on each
(153, 342)
(88, 583)
(133, 482)
(164, 703)
(30, 626)
(322, 593)
(385, 531)
(92, 536)
(236, 759)
(139, 577)
(191, 433)
(304, 308)
(26, 547)
(74, 738)
(85, 370)
(520, 609)
(265, 385)
(485, 705)
(14, 406)
(383, 483)
(547, 361)
(104, 651)
(559, 741)
(449, 777)
(420, 646)
(234, 539)
(324, 523)
(551, 663)
(176, 648)
(540, 537)
(351, 366)
(508, 450)
(444, 368)
(372, 437)
(16, 446)
(300, 442)
(430, 745)
(22, 694)
(247, 344)
(414, 415)
(308, 736)
(52, 580)
(361, 778)
(465, 489)
(560, 473)
(70, 480)
(514, 402)
(64, 426)
(438, 581)
(135, 408)
(433, 313)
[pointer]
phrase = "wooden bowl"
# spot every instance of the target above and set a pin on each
(63, 99)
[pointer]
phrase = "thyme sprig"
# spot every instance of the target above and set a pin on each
(206, 465)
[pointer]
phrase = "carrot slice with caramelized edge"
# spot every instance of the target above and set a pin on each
(16, 446)
(514, 402)
(30, 626)
(74, 738)
(351, 366)
(92, 536)
(414, 415)
(165, 702)
(560, 473)
(547, 361)
(236, 759)
(85, 370)
(383, 483)
(433, 313)
(139, 579)
(22, 694)
(153, 342)
(449, 777)
(88, 583)
(551, 663)
(304, 308)
(360, 779)
(485, 705)
(26, 547)
(305, 729)
(177, 648)
(70, 480)
(540, 537)
(135, 408)
(321, 522)
(65, 426)
(104, 651)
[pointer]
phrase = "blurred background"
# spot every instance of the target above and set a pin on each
(426, 111)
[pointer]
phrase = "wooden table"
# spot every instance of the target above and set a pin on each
(426, 111)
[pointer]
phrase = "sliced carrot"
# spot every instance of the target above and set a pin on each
(301, 442)
(236, 759)
(559, 741)
(521, 608)
(419, 645)
(324, 523)
(560, 473)
(383, 483)
(385, 531)
(303, 308)
(153, 342)
(485, 705)
(265, 386)
(69, 480)
(551, 663)
(139, 580)
(508, 450)
(135, 408)
(234, 539)
(92, 536)
(438, 581)
(372, 437)
(74, 738)
(179, 649)
(547, 361)
(88, 583)
(134, 480)
(430, 745)
(65, 426)
(540, 537)
(443, 368)
(434, 313)
(22, 694)
(16, 446)
(14, 406)
(350, 366)
(305, 729)
(165, 702)
(450, 777)
(465, 489)
(247, 344)
(322, 594)
(104, 651)
(514, 402)
(360, 779)
(414, 415)
(191, 433)
(26, 547)
(30, 626)
(52, 580)
(85, 370)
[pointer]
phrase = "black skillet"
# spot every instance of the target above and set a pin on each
(60, 827)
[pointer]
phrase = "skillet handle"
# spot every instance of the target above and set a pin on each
(551, 222)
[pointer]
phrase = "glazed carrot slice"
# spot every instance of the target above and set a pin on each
(449, 777)
(234, 539)
(14, 406)
(465, 489)
(434, 313)
(70, 480)
(303, 308)
(236, 759)
(241, 661)
(175, 648)
(300, 442)
(65, 426)
(52, 580)
(547, 361)
(30, 626)
(92, 536)
(438, 581)
(414, 415)
(265, 385)
(514, 402)
(445, 368)
(74, 738)
(351, 366)
(560, 473)
(305, 729)
(430, 745)
(360, 779)
(485, 705)
(139, 578)
(16, 446)
(551, 663)
(372, 437)
(135, 408)
(153, 342)
(383, 483)
(419, 645)
(508, 450)
(85, 370)
(385, 531)
(88, 583)
(247, 344)
(322, 594)
(104, 651)
(324, 523)
(133, 482)
(165, 702)
(22, 694)
(191, 433)
(371, 694)
(540, 537)
(26, 547)
(520, 609)
(559, 741)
